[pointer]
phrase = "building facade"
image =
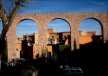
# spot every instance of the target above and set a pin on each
(54, 38)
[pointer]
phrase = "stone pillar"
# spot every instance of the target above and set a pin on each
(105, 32)
(74, 38)
(11, 42)
(104, 20)
(42, 39)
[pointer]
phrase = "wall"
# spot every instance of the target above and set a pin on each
(85, 39)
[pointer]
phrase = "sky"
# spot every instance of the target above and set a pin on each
(66, 6)
(61, 6)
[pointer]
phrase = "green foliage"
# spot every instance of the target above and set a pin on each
(63, 47)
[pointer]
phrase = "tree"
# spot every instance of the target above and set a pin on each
(7, 14)
(74, 45)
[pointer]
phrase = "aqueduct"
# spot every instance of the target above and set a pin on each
(42, 20)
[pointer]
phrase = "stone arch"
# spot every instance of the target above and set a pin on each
(99, 21)
(42, 20)
(31, 34)
(23, 19)
(26, 19)
(68, 24)
(11, 36)
(100, 24)
(17, 24)
(64, 19)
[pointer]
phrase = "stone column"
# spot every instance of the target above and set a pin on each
(42, 39)
(75, 32)
(11, 42)
(104, 20)
(105, 32)
(74, 38)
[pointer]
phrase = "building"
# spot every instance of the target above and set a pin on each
(55, 38)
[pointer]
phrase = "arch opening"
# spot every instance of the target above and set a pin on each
(59, 36)
(27, 39)
(90, 32)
